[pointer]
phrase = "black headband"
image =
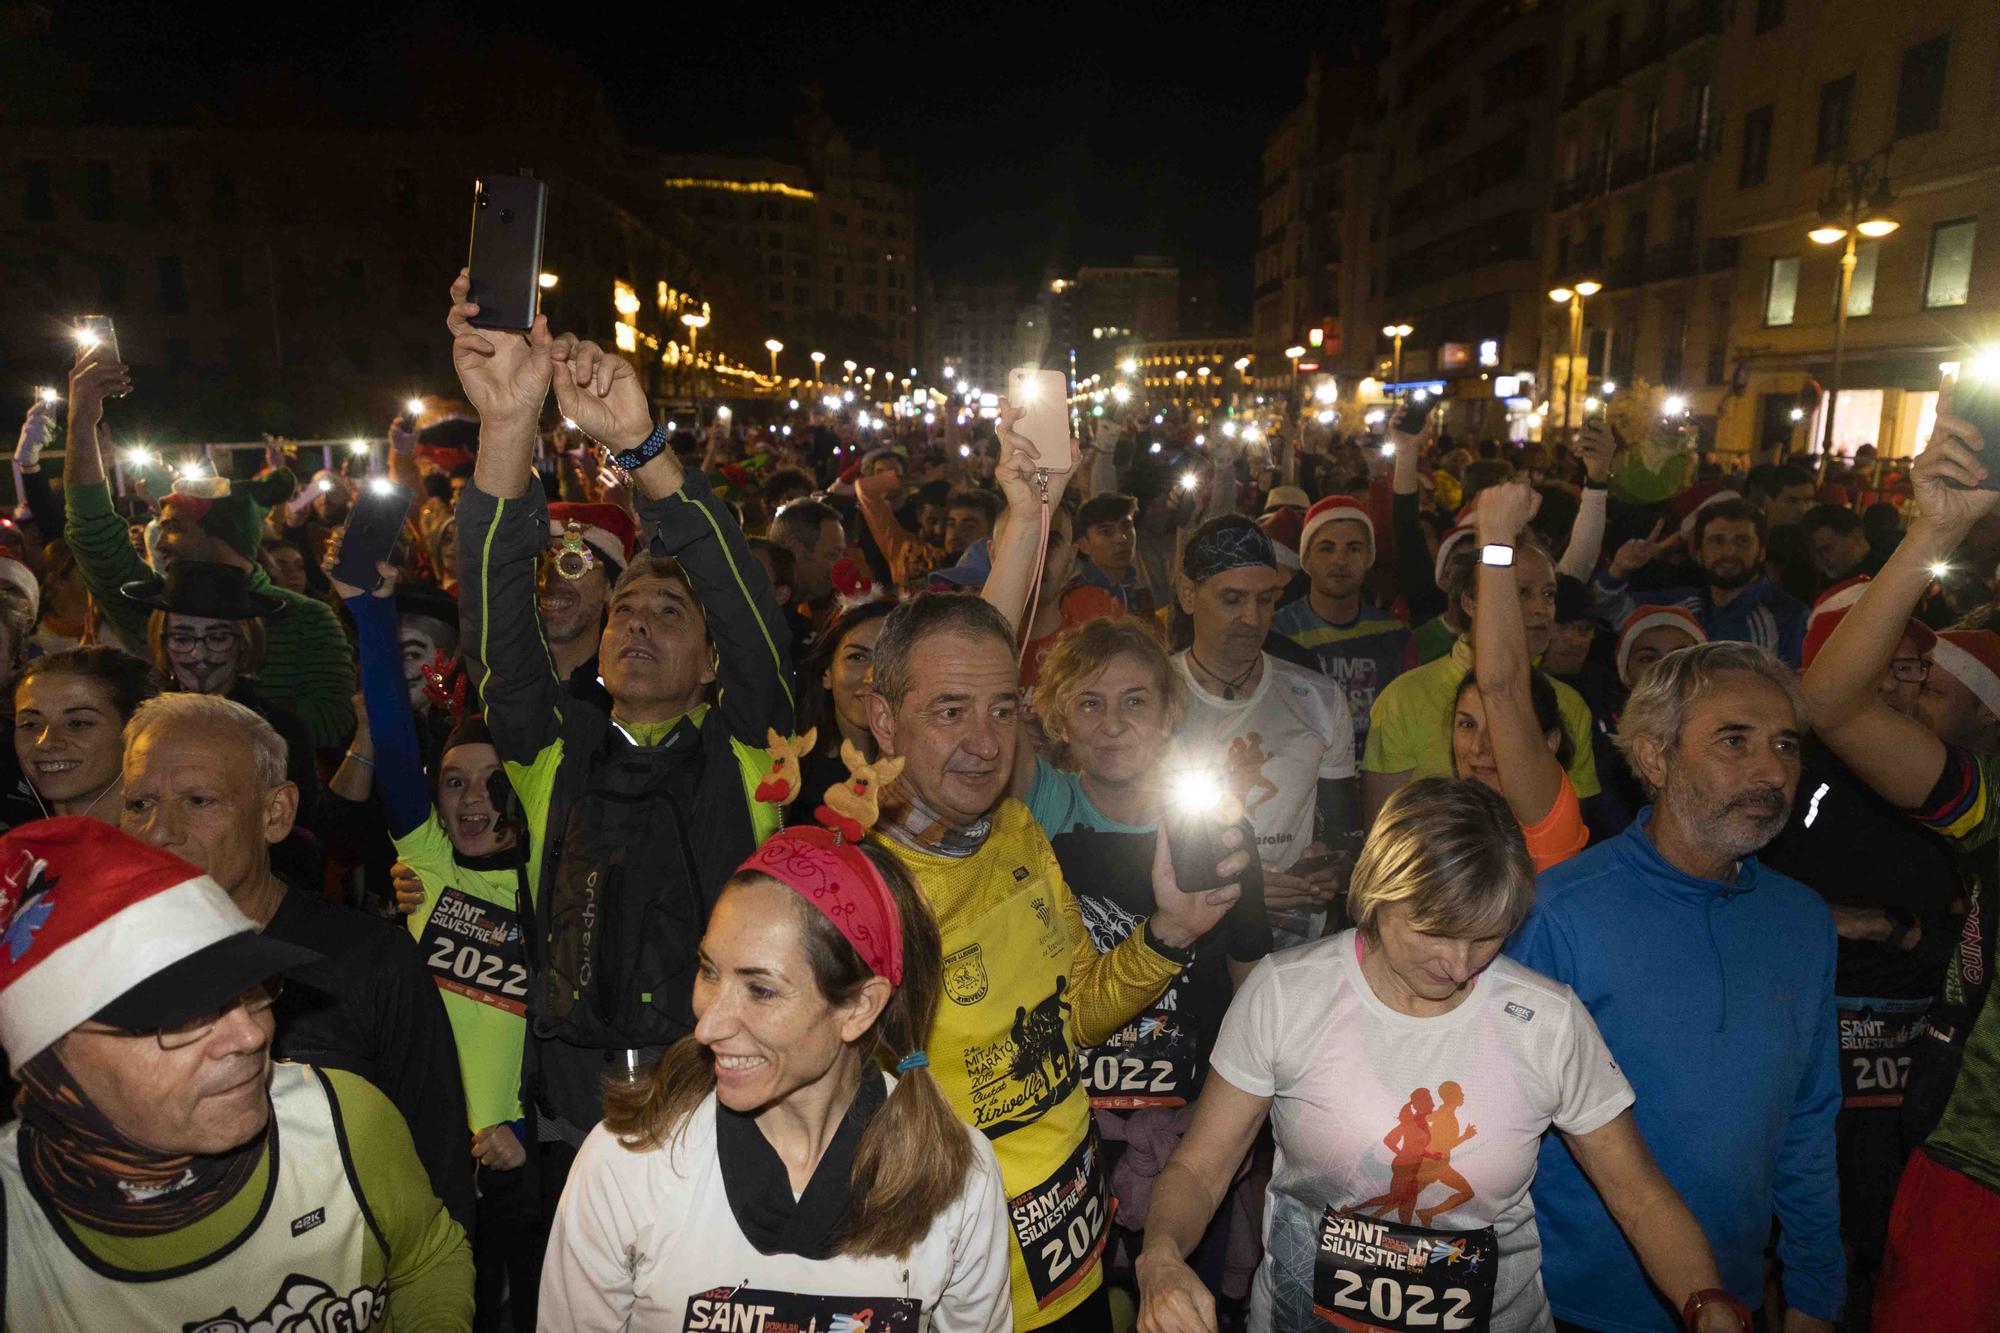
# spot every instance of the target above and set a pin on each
(1224, 547)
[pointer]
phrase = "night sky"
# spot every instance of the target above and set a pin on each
(1033, 146)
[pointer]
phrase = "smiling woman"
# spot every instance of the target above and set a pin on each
(70, 710)
(766, 1159)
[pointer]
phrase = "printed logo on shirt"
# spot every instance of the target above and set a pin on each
(1243, 771)
(1017, 1079)
(965, 975)
(755, 1310)
(301, 1225)
(1520, 1011)
(1384, 1277)
(1426, 1133)
(304, 1303)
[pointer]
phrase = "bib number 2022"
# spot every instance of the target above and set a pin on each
(1411, 1304)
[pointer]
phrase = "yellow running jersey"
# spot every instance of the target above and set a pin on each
(1024, 991)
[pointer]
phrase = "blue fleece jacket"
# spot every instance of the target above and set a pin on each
(1763, 613)
(1717, 1001)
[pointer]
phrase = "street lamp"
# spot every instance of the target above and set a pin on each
(851, 367)
(1573, 297)
(1857, 203)
(695, 324)
(773, 346)
(1202, 372)
(1397, 332)
(1292, 354)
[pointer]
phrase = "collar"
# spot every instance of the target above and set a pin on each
(1637, 849)
(1087, 570)
(759, 1188)
(656, 733)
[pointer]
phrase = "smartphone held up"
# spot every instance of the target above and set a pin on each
(505, 261)
(374, 523)
(1200, 811)
(1975, 399)
(1043, 397)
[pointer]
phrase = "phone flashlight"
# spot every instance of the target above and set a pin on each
(722, 414)
(86, 338)
(381, 485)
(965, 451)
(136, 458)
(325, 484)
(1155, 448)
(1189, 481)
(1388, 449)
(1940, 569)
(49, 395)
(1195, 791)
(415, 407)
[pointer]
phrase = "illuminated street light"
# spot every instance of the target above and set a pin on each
(1128, 366)
(548, 282)
(1857, 203)
(1573, 298)
(773, 346)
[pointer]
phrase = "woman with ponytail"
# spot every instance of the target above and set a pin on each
(767, 1171)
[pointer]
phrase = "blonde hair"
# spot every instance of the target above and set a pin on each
(1451, 851)
(1081, 654)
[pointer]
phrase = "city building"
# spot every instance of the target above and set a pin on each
(1199, 373)
(1633, 208)
(978, 331)
(1311, 275)
(1455, 211)
(1107, 311)
(825, 242)
(1815, 93)
(246, 301)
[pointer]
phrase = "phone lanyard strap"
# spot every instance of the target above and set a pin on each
(1041, 559)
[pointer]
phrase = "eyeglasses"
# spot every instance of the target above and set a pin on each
(219, 640)
(1910, 670)
(253, 1001)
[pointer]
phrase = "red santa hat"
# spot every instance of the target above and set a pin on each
(1714, 497)
(1653, 617)
(1832, 606)
(96, 924)
(1972, 656)
(1446, 545)
(1331, 508)
(610, 531)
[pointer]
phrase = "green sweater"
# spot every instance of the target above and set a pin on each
(307, 661)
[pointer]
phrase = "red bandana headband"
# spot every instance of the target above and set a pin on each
(837, 878)
(826, 866)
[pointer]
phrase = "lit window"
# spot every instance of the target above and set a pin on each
(1781, 298)
(1949, 277)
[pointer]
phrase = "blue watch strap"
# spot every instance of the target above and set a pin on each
(644, 452)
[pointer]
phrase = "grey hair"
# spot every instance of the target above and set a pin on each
(1451, 851)
(1461, 572)
(1658, 707)
(922, 616)
(206, 712)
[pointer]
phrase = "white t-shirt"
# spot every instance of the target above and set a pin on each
(1465, 1096)
(648, 1241)
(1272, 747)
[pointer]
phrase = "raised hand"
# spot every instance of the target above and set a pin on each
(1502, 511)
(600, 392)
(1639, 552)
(1595, 445)
(505, 374)
(94, 377)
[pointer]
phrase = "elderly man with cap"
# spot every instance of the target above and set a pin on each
(205, 779)
(1278, 736)
(589, 547)
(307, 660)
(164, 1173)
(1355, 644)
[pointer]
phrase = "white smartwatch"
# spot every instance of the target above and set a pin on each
(1497, 554)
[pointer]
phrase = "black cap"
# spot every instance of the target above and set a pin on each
(204, 588)
(204, 981)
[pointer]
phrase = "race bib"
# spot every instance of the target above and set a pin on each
(473, 948)
(1378, 1276)
(1148, 1062)
(1060, 1224)
(1875, 1038)
(752, 1310)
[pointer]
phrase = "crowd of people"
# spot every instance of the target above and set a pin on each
(835, 873)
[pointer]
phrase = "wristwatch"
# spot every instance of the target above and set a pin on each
(1701, 1300)
(1497, 554)
(644, 452)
